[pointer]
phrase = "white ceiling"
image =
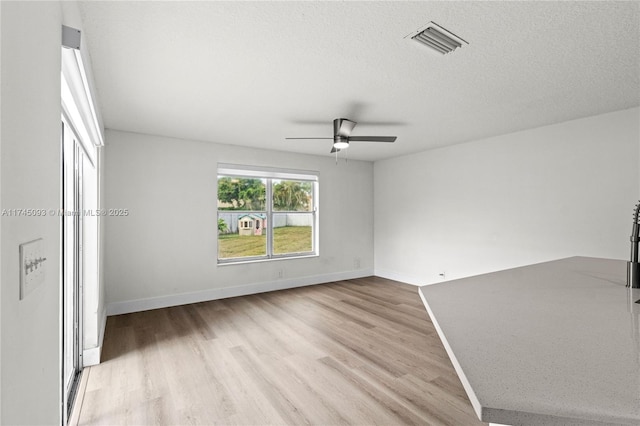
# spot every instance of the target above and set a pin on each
(253, 73)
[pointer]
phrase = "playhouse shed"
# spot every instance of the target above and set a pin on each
(251, 224)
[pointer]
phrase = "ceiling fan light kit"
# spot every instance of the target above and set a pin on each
(340, 143)
(437, 38)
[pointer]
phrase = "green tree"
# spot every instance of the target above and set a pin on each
(222, 225)
(289, 195)
(241, 193)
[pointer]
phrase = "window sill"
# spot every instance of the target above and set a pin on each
(275, 259)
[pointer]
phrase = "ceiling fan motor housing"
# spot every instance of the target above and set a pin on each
(337, 123)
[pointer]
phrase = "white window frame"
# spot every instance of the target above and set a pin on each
(269, 174)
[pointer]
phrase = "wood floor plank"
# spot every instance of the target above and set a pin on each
(377, 392)
(354, 352)
(312, 331)
(354, 404)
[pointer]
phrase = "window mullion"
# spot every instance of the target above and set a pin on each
(314, 241)
(269, 205)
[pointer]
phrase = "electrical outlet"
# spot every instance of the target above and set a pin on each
(280, 274)
(356, 263)
(443, 275)
(32, 266)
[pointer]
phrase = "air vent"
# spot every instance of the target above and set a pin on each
(437, 38)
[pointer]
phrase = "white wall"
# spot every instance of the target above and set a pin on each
(551, 192)
(164, 252)
(30, 178)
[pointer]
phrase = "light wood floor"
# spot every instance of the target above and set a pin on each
(360, 351)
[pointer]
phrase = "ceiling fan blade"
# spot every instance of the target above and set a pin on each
(373, 138)
(334, 149)
(307, 138)
(382, 123)
(343, 126)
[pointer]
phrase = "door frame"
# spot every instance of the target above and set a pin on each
(72, 155)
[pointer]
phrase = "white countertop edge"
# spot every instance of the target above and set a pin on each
(456, 365)
(510, 417)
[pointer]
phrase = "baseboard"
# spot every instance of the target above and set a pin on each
(91, 356)
(125, 307)
(396, 276)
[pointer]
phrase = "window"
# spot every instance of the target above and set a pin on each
(266, 213)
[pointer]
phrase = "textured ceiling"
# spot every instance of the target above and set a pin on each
(253, 73)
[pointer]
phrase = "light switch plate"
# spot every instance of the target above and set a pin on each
(32, 266)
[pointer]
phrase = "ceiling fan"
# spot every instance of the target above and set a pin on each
(342, 128)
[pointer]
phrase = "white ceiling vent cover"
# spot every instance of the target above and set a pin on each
(437, 38)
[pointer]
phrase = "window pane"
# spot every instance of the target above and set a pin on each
(241, 193)
(292, 233)
(241, 234)
(292, 195)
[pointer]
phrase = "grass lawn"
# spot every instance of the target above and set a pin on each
(286, 239)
